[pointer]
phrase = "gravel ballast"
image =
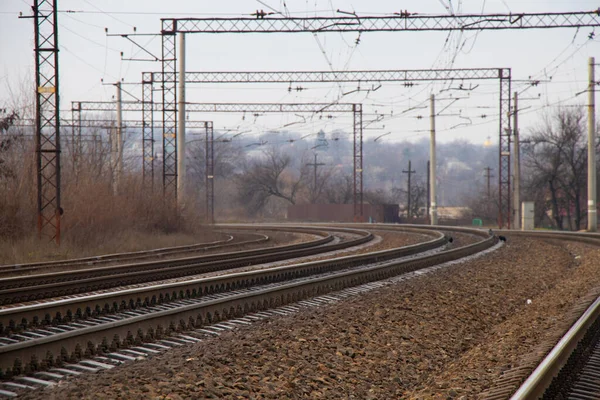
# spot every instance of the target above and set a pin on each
(447, 334)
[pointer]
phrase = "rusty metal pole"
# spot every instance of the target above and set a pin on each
(47, 120)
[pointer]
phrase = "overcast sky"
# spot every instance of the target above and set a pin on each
(556, 57)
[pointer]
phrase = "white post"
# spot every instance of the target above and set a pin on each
(433, 195)
(516, 166)
(181, 124)
(592, 215)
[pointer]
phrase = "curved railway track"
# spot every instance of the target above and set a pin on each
(55, 332)
(571, 369)
(227, 242)
(39, 286)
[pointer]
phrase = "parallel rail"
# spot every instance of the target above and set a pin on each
(14, 319)
(39, 286)
(555, 375)
(197, 305)
(558, 373)
(128, 256)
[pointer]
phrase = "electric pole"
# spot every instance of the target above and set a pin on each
(592, 215)
(210, 173)
(428, 189)
(315, 165)
(117, 144)
(489, 176)
(432, 183)
(517, 165)
(409, 172)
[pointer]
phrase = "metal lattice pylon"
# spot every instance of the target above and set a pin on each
(504, 193)
(148, 130)
(169, 109)
(47, 126)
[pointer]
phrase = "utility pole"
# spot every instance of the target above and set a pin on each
(592, 215)
(117, 144)
(517, 165)
(315, 165)
(409, 172)
(432, 183)
(181, 124)
(210, 173)
(488, 175)
(428, 189)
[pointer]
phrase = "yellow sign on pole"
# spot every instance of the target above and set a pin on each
(46, 89)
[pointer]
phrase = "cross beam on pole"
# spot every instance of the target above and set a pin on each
(403, 21)
(76, 124)
(315, 108)
(403, 75)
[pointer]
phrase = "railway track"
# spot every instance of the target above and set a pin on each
(52, 333)
(40, 286)
(569, 370)
(227, 242)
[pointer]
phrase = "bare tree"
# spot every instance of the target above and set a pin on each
(338, 190)
(556, 161)
(418, 198)
(227, 158)
(482, 205)
(318, 187)
(268, 177)
(7, 141)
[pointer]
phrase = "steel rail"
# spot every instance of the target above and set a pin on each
(78, 282)
(59, 283)
(69, 345)
(14, 319)
(126, 256)
(541, 378)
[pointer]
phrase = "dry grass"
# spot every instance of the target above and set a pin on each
(30, 249)
(94, 221)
